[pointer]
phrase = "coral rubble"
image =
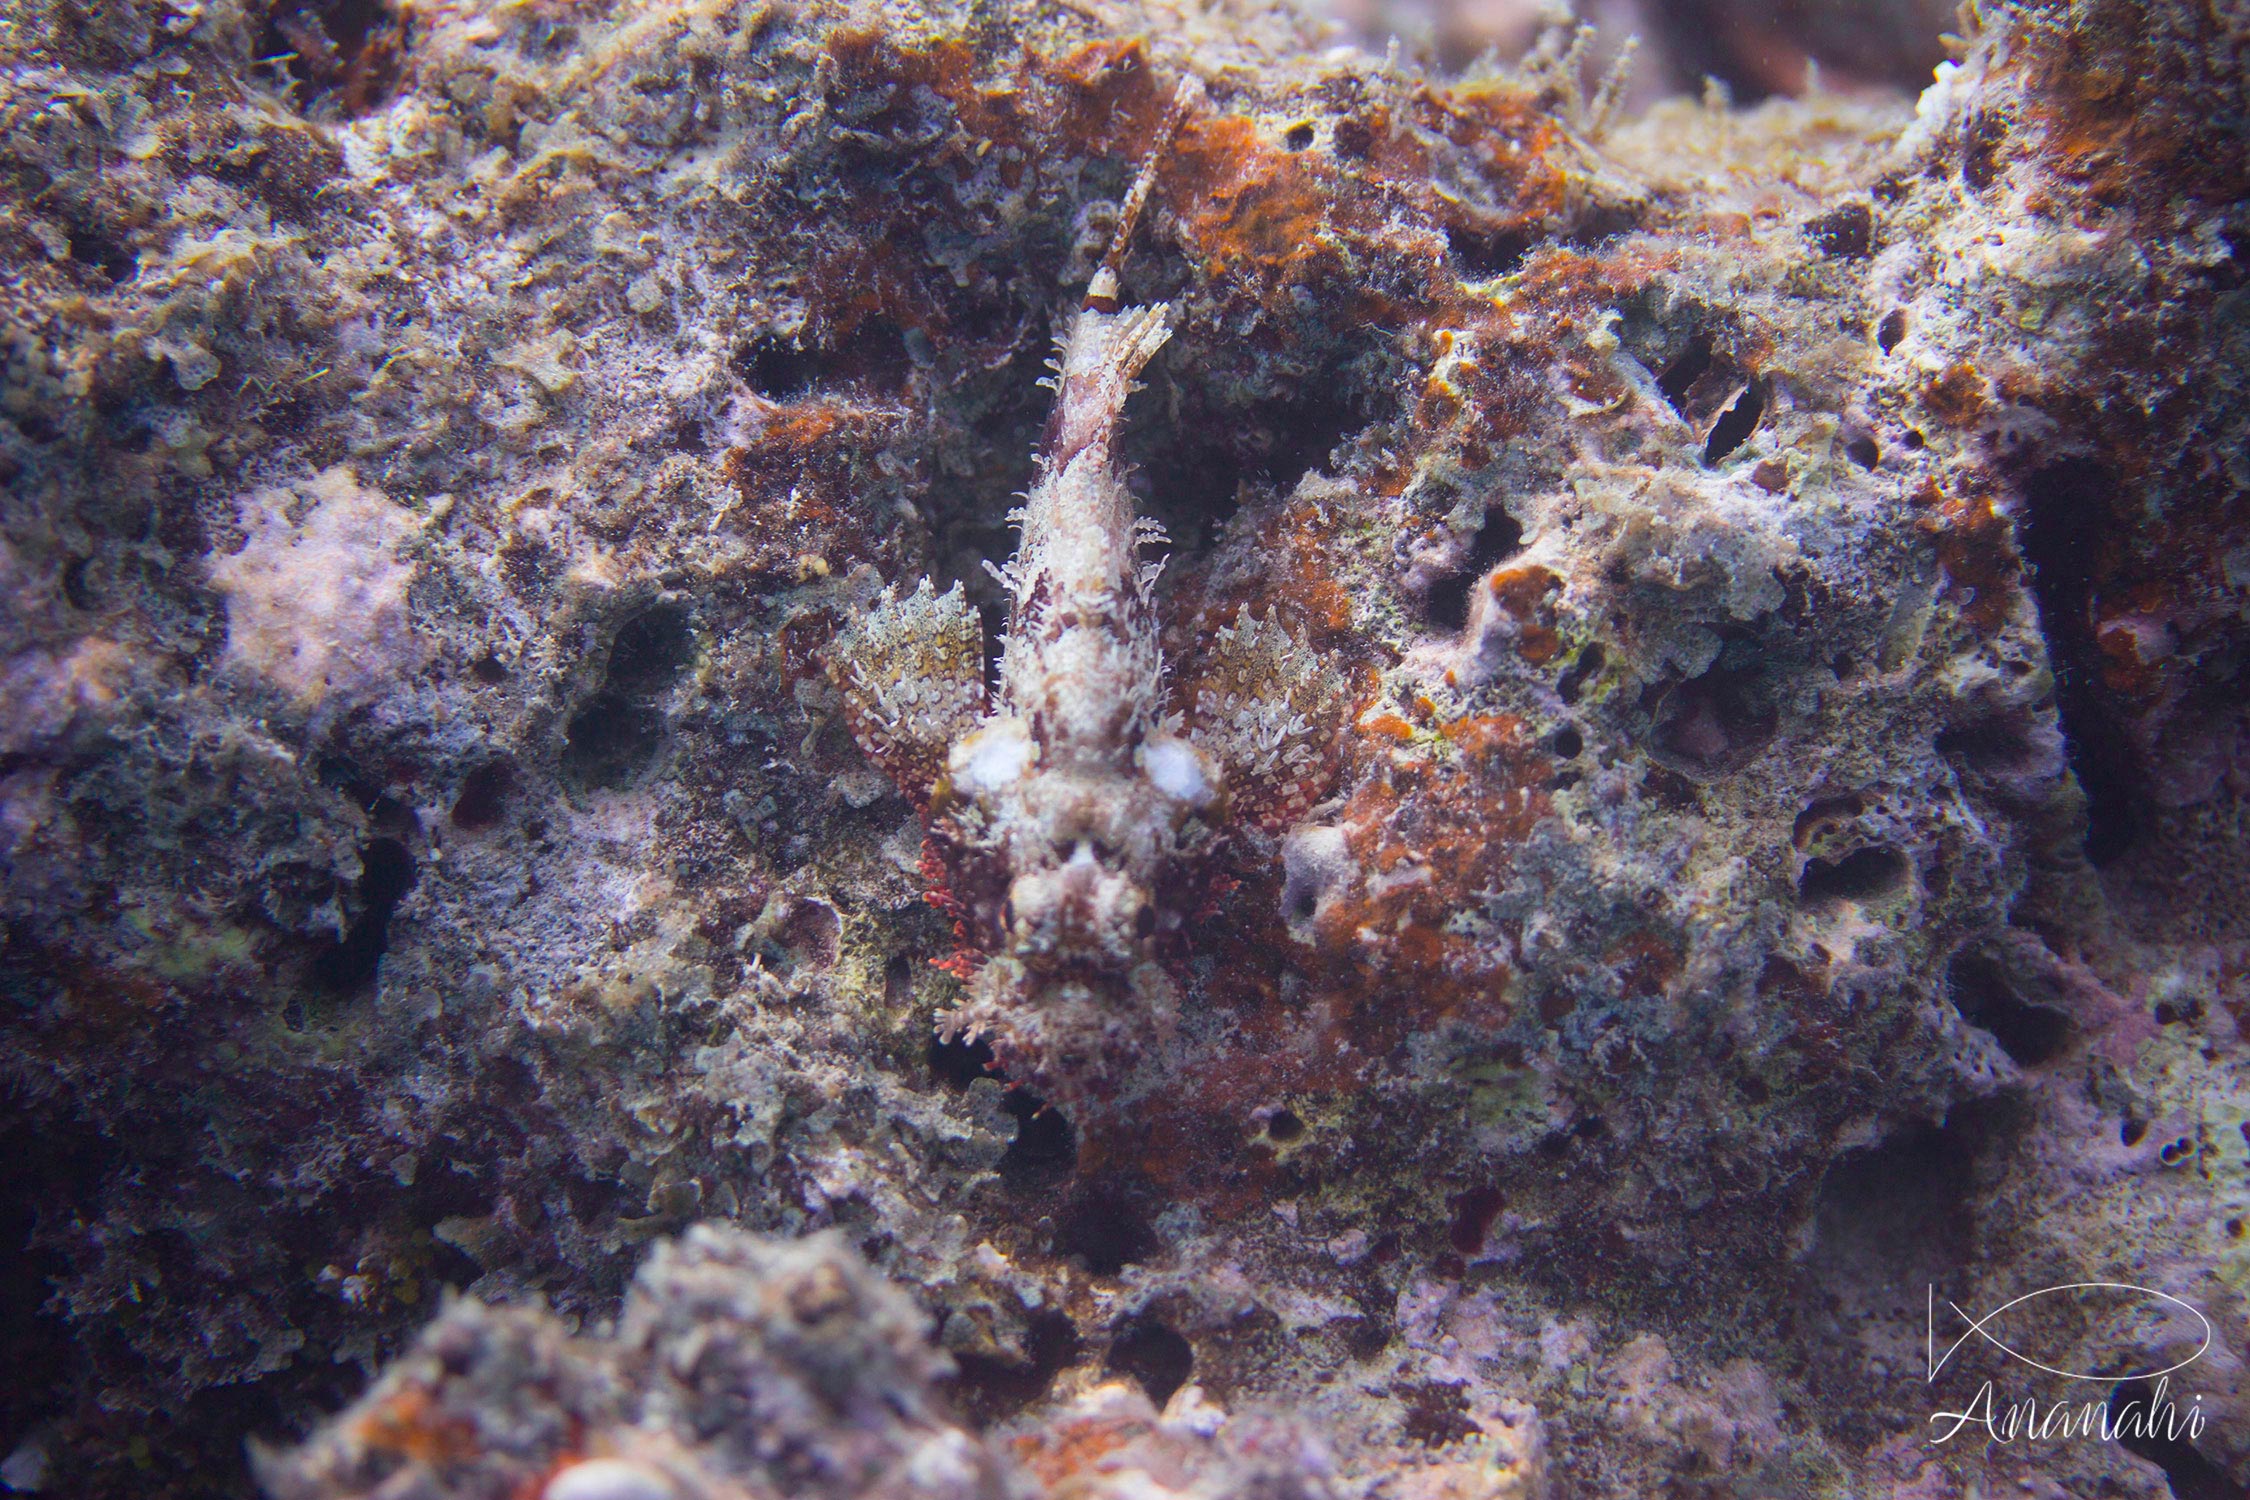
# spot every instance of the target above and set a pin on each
(1785, 572)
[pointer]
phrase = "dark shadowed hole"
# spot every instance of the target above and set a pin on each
(2180, 1010)
(1982, 992)
(1861, 875)
(1863, 451)
(78, 583)
(1106, 1230)
(961, 1061)
(1045, 1150)
(1436, 1414)
(1298, 138)
(1583, 668)
(1154, 1355)
(2165, 1444)
(1715, 724)
(1497, 538)
(775, 368)
(489, 670)
(482, 798)
(1483, 256)
(1734, 427)
(1195, 457)
(1567, 743)
(386, 875)
(94, 247)
(649, 651)
(1847, 233)
(2131, 1131)
(1903, 1214)
(992, 616)
(1685, 370)
(609, 739)
(2068, 521)
(1283, 1126)
(1473, 1214)
(1891, 330)
(992, 1389)
(1998, 744)
(617, 732)
(346, 49)
(1982, 136)
(49, 1161)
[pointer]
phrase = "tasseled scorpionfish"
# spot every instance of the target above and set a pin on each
(1074, 811)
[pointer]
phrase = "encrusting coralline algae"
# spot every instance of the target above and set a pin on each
(1764, 591)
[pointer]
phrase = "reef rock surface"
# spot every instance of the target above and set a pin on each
(1784, 869)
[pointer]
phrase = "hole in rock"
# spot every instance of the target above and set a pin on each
(1155, 1356)
(2068, 522)
(1862, 450)
(960, 1062)
(1715, 724)
(1298, 138)
(386, 875)
(1685, 370)
(1900, 1214)
(2131, 1132)
(1891, 330)
(617, 732)
(1586, 666)
(489, 670)
(1567, 743)
(649, 651)
(1846, 233)
(1982, 136)
(1485, 255)
(349, 50)
(2158, 1434)
(1497, 538)
(609, 739)
(992, 1388)
(1105, 1229)
(1436, 1413)
(1473, 1214)
(51, 1158)
(1862, 875)
(482, 798)
(1283, 1126)
(1734, 427)
(775, 368)
(1982, 991)
(1045, 1150)
(95, 247)
(1996, 745)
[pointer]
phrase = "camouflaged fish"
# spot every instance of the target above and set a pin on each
(1074, 812)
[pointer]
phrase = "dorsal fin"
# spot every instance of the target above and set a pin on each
(1102, 291)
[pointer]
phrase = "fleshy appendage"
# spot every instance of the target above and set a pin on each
(912, 677)
(1264, 710)
(1080, 1040)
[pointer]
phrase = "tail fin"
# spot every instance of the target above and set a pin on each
(1102, 291)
